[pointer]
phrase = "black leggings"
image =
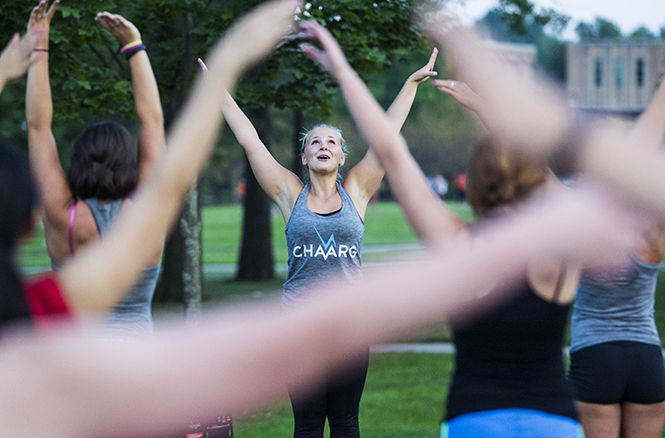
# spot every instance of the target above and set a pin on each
(338, 398)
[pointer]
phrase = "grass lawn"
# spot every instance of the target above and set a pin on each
(385, 225)
(404, 397)
(222, 225)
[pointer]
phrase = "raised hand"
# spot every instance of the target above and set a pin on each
(330, 58)
(40, 21)
(122, 29)
(427, 71)
(461, 92)
(15, 58)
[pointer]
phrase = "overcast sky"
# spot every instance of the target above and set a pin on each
(627, 14)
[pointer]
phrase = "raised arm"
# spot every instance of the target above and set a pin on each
(151, 141)
(365, 177)
(399, 109)
(15, 57)
(113, 264)
(430, 219)
(649, 127)
(42, 150)
(647, 133)
(280, 184)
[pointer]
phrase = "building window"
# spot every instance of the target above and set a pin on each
(618, 73)
(639, 72)
(598, 72)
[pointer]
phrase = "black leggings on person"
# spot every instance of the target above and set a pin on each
(338, 399)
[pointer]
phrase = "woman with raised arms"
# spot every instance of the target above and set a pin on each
(324, 231)
(105, 168)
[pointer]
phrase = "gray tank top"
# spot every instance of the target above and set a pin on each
(132, 316)
(616, 306)
(321, 245)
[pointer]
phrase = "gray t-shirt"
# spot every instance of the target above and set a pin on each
(616, 306)
(321, 246)
(132, 316)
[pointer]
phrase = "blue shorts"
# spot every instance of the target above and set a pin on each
(511, 423)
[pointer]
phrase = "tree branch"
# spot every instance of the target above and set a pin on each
(99, 55)
(104, 61)
(116, 58)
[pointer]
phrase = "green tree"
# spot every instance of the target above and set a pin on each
(599, 29)
(520, 15)
(82, 84)
(550, 49)
(180, 31)
(90, 80)
(642, 33)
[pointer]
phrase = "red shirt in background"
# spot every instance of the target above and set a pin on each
(47, 300)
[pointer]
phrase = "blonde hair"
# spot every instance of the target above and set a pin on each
(306, 134)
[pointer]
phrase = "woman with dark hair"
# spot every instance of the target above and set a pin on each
(110, 265)
(103, 172)
(324, 231)
(509, 377)
(103, 163)
(616, 362)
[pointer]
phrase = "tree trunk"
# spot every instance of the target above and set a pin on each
(298, 129)
(256, 258)
(192, 272)
(181, 277)
(170, 285)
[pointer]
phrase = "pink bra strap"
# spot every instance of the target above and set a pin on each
(70, 231)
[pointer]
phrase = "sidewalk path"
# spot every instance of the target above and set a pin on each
(279, 267)
(433, 347)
